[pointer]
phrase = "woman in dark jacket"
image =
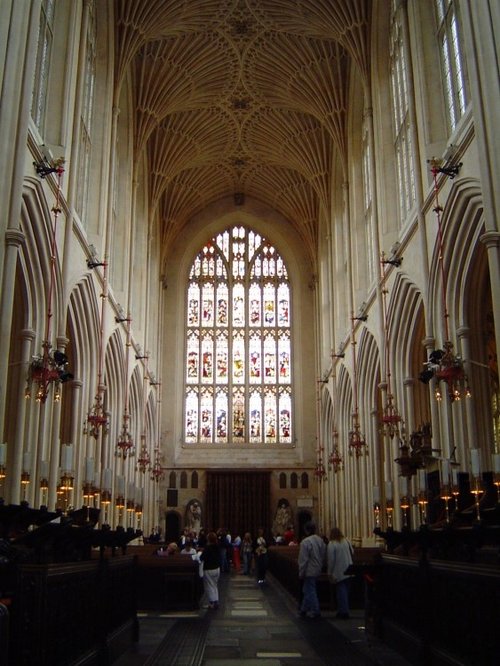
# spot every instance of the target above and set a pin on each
(211, 570)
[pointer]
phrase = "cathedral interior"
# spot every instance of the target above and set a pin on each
(251, 263)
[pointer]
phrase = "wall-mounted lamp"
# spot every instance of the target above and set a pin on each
(447, 166)
(48, 164)
(393, 261)
(121, 317)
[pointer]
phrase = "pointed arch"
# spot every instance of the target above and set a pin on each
(406, 333)
(238, 365)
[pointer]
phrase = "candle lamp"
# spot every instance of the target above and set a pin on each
(455, 491)
(25, 480)
(130, 512)
(389, 510)
(138, 515)
(120, 505)
(105, 502)
(376, 514)
(404, 505)
(44, 491)
(445, 494)
(477, 490)
(422, 501)
(60, 496)
(88, 496)
(67, 485)
(88, 493)
(67, 481)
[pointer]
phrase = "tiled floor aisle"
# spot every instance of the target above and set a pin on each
(255, 626)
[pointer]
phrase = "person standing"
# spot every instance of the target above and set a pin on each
(211, 559)
(237, 553)
(247, 553)
(339, 558)
(261, 556)
(312, 556)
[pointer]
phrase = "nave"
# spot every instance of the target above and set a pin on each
(255, 626)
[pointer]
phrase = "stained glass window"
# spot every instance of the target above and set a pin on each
(238, 366)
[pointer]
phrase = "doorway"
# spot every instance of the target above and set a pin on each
(172, 526)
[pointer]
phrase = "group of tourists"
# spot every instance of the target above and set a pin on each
(314, 555)
(217, 552)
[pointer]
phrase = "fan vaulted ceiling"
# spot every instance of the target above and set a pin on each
(241, 98)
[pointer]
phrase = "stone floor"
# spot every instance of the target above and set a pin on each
(255, 626)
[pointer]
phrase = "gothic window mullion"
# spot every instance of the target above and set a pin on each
(238, 384)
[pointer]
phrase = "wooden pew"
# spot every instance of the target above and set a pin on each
(166, 583)
(73, 612)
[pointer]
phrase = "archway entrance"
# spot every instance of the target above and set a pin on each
(172, 526)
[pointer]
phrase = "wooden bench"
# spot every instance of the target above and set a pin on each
(73, 612)
(166, 582)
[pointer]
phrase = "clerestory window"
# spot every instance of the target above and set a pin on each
(87, 112)
(238, 376)
(401, 112)
(452, 61)
(43, 57)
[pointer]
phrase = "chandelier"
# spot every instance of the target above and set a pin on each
(356, 442)
(125, 443)
(443, 364)
(319, 470)
(49, 367)
(46, 370)
(391, 418)
(156, 470)
(97, 419)
(143, 458)
(335, 460)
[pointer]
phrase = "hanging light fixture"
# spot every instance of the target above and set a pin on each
(319, 470)
(357, 443)
(125, 443)
(143, 459)
(391, 420)
(50, 366)
(157, 471)
(335, 460)
(443, 364)
(97, 419)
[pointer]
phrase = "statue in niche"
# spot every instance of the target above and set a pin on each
(193, 516)
(283, 517)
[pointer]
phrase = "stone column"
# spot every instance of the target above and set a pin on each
(27, 337)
